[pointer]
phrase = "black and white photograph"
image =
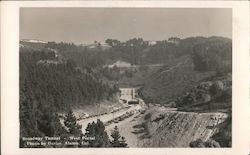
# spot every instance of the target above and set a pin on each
(125, 77)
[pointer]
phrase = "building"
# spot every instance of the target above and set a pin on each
(121, 64)
(151, 42)
(102, 46)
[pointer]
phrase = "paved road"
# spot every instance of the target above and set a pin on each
(125, 127)
(107, 117)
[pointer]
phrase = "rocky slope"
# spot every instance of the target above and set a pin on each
(163, 128)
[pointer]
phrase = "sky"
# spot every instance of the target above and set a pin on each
(85, 25)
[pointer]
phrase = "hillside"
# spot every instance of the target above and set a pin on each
(49, 86)
(202, 119)
(165, 69)
(212, 94)
(208, 57)
(168, 83)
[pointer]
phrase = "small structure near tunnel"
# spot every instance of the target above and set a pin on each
(134, 101)
(127, 93)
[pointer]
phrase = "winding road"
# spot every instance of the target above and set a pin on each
(111, 116)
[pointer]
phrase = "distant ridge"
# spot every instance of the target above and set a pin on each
(33, 41)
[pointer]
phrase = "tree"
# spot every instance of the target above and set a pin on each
(116, 136)
(97, 130)
(71, 124)
(116, 142)
(112, 42)
(197, 143)
(123, 142)
(201, 143)
(212, 143)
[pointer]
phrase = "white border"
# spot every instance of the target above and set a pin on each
(10, 76)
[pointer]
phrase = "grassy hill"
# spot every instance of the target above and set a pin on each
(205, 58)
(168, 83)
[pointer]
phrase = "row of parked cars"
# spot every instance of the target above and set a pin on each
(120, 118)
(105, 113)
(125, 116)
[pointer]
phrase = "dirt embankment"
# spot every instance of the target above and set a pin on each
(97, 109)
(177, 129)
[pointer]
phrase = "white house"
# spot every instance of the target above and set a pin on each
(151, 42)
(121, 64)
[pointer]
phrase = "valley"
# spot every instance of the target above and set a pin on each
(170, 94)
(159, 126)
